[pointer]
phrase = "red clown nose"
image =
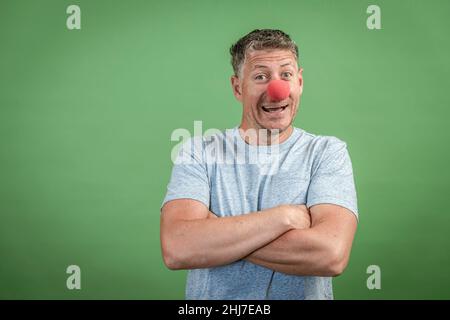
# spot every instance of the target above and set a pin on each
(278, 89)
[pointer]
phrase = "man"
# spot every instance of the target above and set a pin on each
(276, 228)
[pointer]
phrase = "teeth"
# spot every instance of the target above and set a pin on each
(273, 109)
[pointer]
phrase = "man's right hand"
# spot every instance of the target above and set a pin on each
(298, 216)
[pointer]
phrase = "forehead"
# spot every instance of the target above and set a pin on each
(269, 58)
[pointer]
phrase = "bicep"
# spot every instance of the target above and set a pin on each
(182, 209)
(173, 227)
(336, 223)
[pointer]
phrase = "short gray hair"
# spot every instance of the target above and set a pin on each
(260, 40)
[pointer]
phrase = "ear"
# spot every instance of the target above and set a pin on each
(300, 79)
(237, 88)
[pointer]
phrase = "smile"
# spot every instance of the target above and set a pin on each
(270, 109)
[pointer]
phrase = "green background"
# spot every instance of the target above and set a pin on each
(86, 118)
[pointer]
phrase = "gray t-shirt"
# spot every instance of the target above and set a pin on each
(233, 178)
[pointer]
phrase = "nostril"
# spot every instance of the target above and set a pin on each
(278, 89)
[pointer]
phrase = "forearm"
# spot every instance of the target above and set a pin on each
(300, 252)
(205, 243)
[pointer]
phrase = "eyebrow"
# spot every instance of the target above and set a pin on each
(262, 66)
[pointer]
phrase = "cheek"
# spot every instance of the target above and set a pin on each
(295, 92)
(254, 95)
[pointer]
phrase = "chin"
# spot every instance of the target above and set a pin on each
(283, 126)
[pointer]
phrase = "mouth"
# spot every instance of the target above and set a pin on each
(274, 109)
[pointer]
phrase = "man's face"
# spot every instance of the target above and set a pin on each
(259, 68)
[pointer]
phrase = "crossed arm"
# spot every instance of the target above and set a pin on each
(289, 238)
(321, 250)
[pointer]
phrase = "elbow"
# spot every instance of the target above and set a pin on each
(336, 269)
(171, 261)
(171, 257)
(337, 263)
(180, 257)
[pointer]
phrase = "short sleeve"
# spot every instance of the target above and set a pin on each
(189, 178)
(333, 182)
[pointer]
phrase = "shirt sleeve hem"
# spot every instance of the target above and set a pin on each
(336, 201)
(185, 196)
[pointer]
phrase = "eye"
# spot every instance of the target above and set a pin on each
(260, 77)
(287, 74)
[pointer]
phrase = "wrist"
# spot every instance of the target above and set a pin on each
(286, 215)
(281, 215)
